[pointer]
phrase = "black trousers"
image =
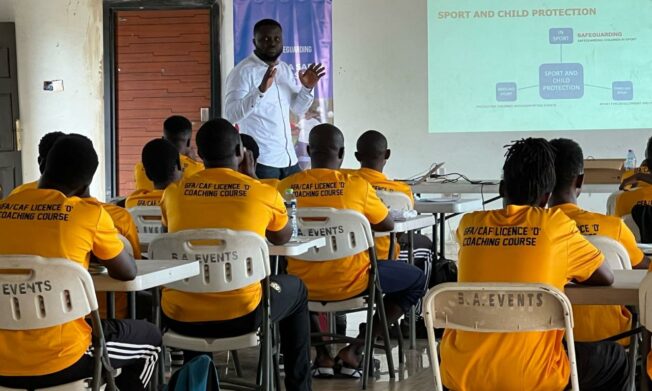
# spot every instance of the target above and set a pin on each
(267, 172)
(602, 366)
(289, 307)
(132, 345)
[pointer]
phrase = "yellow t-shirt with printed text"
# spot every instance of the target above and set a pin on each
(190, 167)
(380, 182)
(597, 322)
(45, 222)
(346, 277)
(219, 198)
(144, 197)
(626, 200)
(515, 244)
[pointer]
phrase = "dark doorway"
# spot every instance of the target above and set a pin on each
(10, 160)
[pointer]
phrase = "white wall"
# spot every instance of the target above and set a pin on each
(380, 82)
(59, 39)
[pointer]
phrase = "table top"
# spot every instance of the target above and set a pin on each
(491, 187)
(151, 273)
(418, 222)
(444, 205)
(624, 290)
(645, 247)
(297, 246)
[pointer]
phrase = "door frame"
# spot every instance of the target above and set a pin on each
(110, 9)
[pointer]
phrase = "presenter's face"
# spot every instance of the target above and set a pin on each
(269, 42)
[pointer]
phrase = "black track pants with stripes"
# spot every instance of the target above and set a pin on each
(133, 346)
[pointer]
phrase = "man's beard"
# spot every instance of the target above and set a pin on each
(266, 57)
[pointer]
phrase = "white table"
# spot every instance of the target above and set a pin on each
(151, 274)
(624, 290)
(645, 247)
(297, 246)
(491, 187)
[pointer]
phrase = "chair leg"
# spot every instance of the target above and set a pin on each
(367, 360)
(236, 363)
(385, 327)
(400, 342)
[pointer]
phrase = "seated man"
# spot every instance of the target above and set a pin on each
(252, 152)
(533, 245)
(162, 165)
(257, 208)
(592, 323)
(178, 131)
(56, 355)
(403, 284)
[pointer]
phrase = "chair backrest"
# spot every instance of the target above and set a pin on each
(645, 301)
(148, 220)
(347, 232)
(611, 202)
(230, 259)
(614, 252)
(43, 292)
(395, 200)
(498, 307)
(631, 224)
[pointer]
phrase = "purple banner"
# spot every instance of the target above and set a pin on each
(307, 39)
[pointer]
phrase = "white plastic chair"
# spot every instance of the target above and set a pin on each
(614, 252)
(631, 224)
(352, 236)
(611, 202)
(251, 267)
(71, 296)
(149, 224)
(442, 310)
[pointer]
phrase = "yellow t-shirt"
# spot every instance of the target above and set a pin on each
(144, 198)
(190, 167)
(597, 322)
(219, 198)
(380, 182)
(86, 227)
(270, 182)
(515, 244)
(625, 201)
(24, 186)
(346, 277)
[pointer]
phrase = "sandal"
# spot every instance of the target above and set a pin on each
(347, 370)
(322, 372)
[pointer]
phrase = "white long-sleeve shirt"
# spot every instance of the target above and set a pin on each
(266, 116)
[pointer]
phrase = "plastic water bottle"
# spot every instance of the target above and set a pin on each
(630, 161)
(291, 206)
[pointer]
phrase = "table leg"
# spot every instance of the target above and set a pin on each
(110, 305)
(159, 379)
(131, 304)
(645, 349)
(275, 260)
(413, 317)
(442, 236)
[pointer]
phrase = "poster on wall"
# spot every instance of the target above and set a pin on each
(307, 39)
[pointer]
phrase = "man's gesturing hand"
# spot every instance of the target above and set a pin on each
(268, 79)
(311, 76)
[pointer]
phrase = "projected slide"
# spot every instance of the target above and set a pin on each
(513, 65)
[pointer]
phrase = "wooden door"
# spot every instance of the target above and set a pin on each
(163, 67)
(10, 160)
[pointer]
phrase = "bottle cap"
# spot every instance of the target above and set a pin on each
(289, 190)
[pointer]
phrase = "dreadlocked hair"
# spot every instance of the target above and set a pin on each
(529, 170)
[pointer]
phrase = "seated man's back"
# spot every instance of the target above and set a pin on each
(522, 243)
(320, 187)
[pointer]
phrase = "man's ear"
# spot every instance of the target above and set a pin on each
(358, 157)
(388, 153)
(308, 149)
(579, 182)
(340, 153)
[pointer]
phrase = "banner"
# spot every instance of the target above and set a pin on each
(307, 39)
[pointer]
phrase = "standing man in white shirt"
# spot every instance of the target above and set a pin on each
(260, 93)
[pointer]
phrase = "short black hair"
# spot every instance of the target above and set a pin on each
(71, 162)
(251, 144)
(372, 145)
(217, 140)
(266, 22)
(569, 162)
(176, 126)
(326, 140)
(47, 142)
(160, 158)
(529, 171)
